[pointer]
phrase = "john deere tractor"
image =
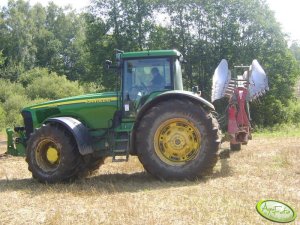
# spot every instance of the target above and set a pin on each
(172, 131)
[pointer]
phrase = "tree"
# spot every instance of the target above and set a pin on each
(40, 36)
(16, 35)
(295, 48)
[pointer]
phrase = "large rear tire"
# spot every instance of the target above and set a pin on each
(52, 155)
(178, 140)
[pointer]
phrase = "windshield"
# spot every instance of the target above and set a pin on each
(143, 76)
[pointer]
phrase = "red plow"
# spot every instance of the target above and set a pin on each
(240, 90)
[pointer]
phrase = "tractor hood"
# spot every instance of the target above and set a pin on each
(81, 99)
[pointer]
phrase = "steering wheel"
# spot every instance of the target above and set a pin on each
(139, 90)
(145, 87)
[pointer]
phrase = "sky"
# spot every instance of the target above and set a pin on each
(288, 15)
(286, 12)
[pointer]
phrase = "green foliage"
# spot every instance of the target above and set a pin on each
(293, 111)
(2, 117)
(2, 59)
(13, 98)
(8, 89)
(53, 87)
(91, 87)
(279, 130)
(295, 48)
(29, 76)
(13, 106)
(12, 71)
(262, 113)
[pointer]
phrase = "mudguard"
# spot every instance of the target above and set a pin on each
(184, 95)
(174, 95)
(79, 132)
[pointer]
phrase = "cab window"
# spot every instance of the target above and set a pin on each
(143, 76)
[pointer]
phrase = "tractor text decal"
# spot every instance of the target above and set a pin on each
(91, 100)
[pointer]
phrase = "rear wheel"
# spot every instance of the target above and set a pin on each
(177, 140)
(52, 155)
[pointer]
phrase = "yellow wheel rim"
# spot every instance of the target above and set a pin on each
(177, 141)
(47, 155)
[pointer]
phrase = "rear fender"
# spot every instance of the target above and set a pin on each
(78, 130)
(169, 95)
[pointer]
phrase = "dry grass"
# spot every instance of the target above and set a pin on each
(122, 193)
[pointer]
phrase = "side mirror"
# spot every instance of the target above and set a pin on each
(196, 91)
(182, 60)
(108, 64)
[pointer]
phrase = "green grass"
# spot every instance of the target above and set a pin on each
(285, 130)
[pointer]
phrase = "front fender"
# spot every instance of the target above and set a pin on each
(78, 130)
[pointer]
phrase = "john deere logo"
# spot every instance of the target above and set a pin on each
(276, 211)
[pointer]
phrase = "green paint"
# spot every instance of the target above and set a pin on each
(150, 53)
(15, 148)
(276, 211)
(10, 142)
(95, 110)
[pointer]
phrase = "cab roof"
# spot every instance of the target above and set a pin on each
(150, 53)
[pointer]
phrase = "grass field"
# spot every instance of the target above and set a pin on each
(122, 193)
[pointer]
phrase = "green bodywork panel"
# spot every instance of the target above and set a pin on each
(94, 110)
(150, 53)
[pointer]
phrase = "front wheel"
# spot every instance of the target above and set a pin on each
(235, 147)
(177, 140)
(90, 165)
(52, 155)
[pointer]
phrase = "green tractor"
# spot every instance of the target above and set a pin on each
(172, 131)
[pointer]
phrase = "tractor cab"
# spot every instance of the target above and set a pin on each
(146, 75)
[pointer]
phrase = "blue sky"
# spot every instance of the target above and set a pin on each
(286, 12)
